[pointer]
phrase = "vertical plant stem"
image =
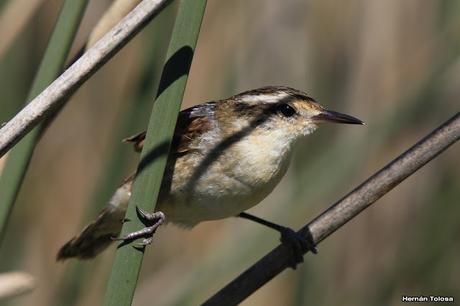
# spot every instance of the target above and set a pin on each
(117, 166)
(50, 67)
(125, 272)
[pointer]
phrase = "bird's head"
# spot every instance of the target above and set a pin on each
(284, 112)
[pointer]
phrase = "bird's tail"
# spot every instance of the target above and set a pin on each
(98, 235)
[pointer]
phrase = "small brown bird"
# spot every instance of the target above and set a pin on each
(226, 157)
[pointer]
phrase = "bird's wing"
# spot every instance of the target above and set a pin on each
(191, 123)
(137, 141)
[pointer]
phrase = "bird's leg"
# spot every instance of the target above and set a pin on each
(152, 222)
(298, 243)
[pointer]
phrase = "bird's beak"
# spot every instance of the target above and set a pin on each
(331, 116)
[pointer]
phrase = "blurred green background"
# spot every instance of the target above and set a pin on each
(394, 64)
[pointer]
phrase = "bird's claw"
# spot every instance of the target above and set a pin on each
(298, 245)
(152, 221)
(149, 217)
(145, 242)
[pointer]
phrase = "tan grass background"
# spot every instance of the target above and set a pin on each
(394, 64)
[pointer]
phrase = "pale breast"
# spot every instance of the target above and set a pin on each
(216, 186)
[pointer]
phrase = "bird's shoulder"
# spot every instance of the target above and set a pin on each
(191, 124)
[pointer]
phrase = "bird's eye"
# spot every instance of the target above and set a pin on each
(286, 110)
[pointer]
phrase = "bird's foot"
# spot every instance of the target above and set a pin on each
(152, 222)
(298, 244)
